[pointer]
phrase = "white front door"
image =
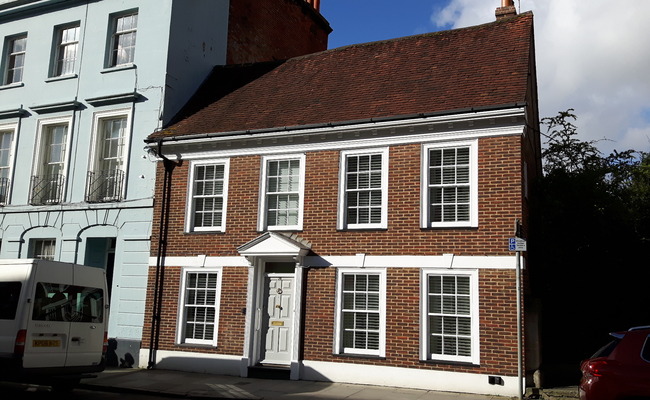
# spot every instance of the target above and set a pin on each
(277, 319)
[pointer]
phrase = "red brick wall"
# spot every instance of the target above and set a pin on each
(265, 30)
(498, 322)
(499, 204)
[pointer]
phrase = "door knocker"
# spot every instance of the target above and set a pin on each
(279, 291)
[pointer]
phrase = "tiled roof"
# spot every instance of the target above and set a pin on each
(476, 67)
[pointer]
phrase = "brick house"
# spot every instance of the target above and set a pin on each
(345, 215)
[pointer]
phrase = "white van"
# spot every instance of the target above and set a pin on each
(53, 322)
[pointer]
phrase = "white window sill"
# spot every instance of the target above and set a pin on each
(12, 85)
(118, 68)
(61, 78)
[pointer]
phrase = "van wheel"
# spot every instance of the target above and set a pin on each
(65, 386)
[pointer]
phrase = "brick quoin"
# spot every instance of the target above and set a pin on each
(500, 202)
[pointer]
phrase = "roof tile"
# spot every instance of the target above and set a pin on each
(481, 66)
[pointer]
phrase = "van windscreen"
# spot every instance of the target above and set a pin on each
(9, 294)
(69, 303)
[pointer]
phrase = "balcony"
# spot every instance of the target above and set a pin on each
(46, 189)
(104, 186)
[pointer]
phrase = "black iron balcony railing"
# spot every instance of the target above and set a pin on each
(4, 190)
(47, 189)
(104, 186)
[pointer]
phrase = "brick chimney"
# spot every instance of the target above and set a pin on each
(507, 9)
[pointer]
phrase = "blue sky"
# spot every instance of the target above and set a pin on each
(360, 21)
(592, 55)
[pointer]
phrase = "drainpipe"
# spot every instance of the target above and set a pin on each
(160, 257)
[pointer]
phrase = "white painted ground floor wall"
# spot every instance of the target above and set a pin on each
(443, 381)
(73, 227)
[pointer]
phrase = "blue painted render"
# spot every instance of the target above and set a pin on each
(177, 44)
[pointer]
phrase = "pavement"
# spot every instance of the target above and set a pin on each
(179, 384)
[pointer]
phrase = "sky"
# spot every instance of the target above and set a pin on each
(592, 55)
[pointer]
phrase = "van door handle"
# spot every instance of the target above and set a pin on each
(75, 339)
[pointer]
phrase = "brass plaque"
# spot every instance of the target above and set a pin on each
(277, 323)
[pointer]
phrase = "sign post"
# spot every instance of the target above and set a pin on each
(518, 244)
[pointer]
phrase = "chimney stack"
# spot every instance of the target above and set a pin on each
(507, 9)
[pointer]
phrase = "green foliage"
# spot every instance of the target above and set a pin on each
(593, 230)
(564, 152)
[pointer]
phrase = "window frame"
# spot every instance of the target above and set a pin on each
(12, 130)
(8, 75)
(263, 201)
(425, 352)
(425, 212)
(38, 165)
(113, 45)
(343, 190)
(96, 150)
(181, 337)
(339, 323)
(191, 205)
(59, 47)
(34, 242)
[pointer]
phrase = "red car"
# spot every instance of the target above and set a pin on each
(620, 369)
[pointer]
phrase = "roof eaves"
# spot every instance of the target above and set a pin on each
(333, 124)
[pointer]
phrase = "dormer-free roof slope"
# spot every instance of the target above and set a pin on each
(477, 67)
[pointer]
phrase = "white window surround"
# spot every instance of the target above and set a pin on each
(7, 131)
(38, 167)
(182, 310)
(425, 353)
(14, 59)
(338, 324)
(65, 51)
(263, 224)
(95, 150)
(473, 184)
(190, 208)
(123, 35)
(343, 181)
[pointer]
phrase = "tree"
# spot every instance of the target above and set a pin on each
(594, 227)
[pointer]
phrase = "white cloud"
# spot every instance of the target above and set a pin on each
(592, 56)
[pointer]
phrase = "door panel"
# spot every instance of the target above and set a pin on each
(278, 320)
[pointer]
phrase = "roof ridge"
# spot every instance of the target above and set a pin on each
(501, 21)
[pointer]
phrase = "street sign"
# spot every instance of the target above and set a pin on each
(517, 244)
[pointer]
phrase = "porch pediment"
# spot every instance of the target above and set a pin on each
(272, 244)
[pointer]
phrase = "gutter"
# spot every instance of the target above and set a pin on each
(179, 138)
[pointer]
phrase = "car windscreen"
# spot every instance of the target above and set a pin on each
(69, 303)
(9, 294)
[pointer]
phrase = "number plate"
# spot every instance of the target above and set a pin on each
(46, 343)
